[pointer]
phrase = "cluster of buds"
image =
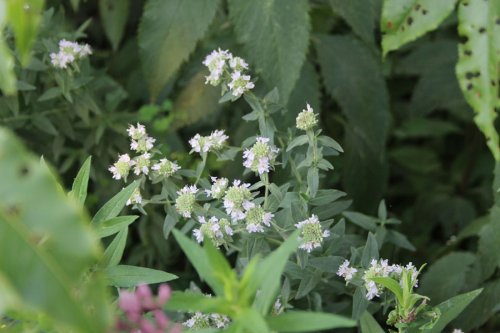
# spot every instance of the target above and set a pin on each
(203, 321)
(204, 144)
(68, 53)
(227, 69)
(261, 156)
(235, 198)
(378, 268)
(136, 305)
(312, 234)
(256, 217)
(306, 120)
(218, 230)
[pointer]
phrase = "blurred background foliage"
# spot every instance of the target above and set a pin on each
(406, 128)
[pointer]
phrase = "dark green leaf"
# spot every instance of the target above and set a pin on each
(114, 251)
(81, 182)
(114, 206)
(114, 16)
(369, 324)
(130, 276)
(114, 225)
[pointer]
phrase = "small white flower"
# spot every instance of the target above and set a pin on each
(239, 84)
(186, 200)
(371, 290)
(260, 157)
(457, 330)
(218, 139)
(216, 64)
(135, 198)
(141, 164)
(121, 168)
(238, 64)
(204, 144)
(165, 167)
(346, 272)
(198, 321)
(312, 234)
(235, 198)
(218, 189)
(68, 53)
(136, 133)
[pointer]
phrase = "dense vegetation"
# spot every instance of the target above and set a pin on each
(367, 125)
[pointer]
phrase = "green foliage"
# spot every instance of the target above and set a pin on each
(114, 15)
(478, 61)
(46, 241)
(275, 34)
(162, 49)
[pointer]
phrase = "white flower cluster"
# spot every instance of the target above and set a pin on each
(378, 268)
(204, 144)
(69, 52)
(224, 67)
(256, 217)
(218, 230)
(184, 204)
(457, 330)
(143, 163)
(261, 156)
(312, 234)
(218, 189)
(200, 321)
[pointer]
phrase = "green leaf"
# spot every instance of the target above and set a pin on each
(191, 302)
(359, 303)
(312, 181)
(252, 321)
(405, 20)
(450, 270)
(24, 16)
(362, 220)
(114, 225)
(196, 101)
(360, 15)
(199, 259)
(330, 143)
(370, 251)
(114, 251)
(114, 16)
(275, 34)
(303, 321)
(369, 324)
(297, 141)
(478, 62)
(130, 276)
(353, 77)
(267, 276)
(451, 308)
(114, 206)
(222, 271)
(7, 75)
(80, 184)
(45, 241)
(168, 33)
(392, 285)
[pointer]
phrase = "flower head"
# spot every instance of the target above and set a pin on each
(219, 231)
(306, 120)
(256, 217)
(136, 133)
(68, 53)
(204, 144)
(184, 203)
(312, 234)
(240, 84)
(143, 144)
(135, 198)
(238, 64)
(261, 156)
(235, 197)
(141, 164)
(165, 167)
(346, 272)
(218, 189)
(121, 168)
(216, 62)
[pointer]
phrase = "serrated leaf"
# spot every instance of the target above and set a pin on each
(196, 101)
(114, 16)
(126, 276)
(405, 20)
(275, 34)
(478, 62)
(168, 33)
(353, 77)
(81, 182)
(360, 15)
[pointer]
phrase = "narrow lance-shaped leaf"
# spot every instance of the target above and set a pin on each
(7, 75)
(168, 33)
(478, 63)
(275, 34)
(405, 20)
(131, 276)
(302, 321)
(80, 184)
(114, 206)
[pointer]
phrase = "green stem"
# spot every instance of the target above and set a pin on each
(29, 116)
(265, 179)
(201, 167)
